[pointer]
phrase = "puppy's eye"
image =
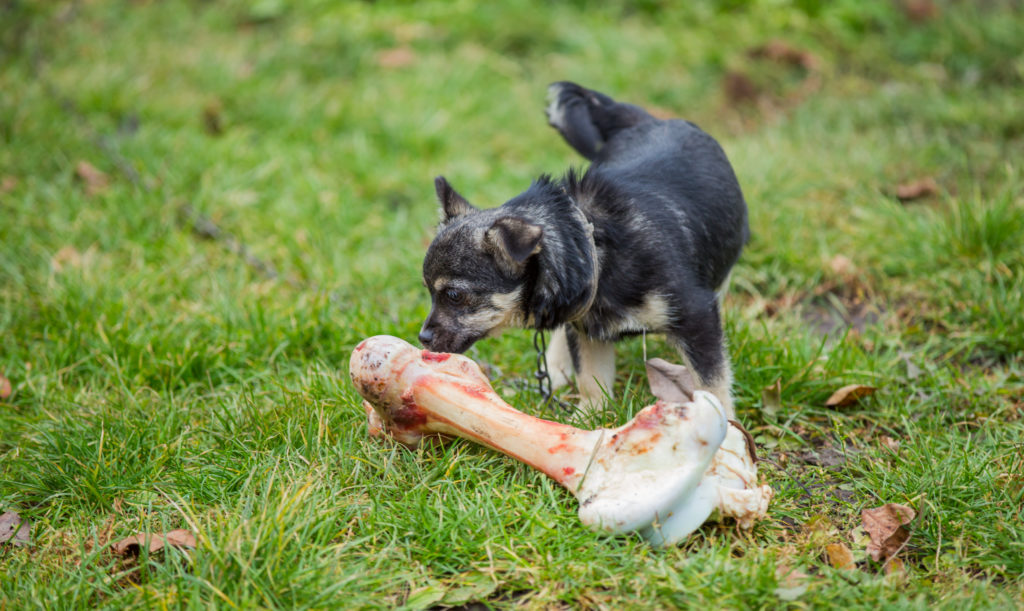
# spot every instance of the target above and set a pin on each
(454, 296)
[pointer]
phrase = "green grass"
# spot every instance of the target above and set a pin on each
(160, 381)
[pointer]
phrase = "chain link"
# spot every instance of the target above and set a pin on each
(542, 374)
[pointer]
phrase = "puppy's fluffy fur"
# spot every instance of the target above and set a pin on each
(639, 243)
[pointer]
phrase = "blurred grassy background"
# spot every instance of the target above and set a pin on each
(161, 381)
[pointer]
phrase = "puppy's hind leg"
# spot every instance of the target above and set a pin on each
(588, 119)
(700, 341)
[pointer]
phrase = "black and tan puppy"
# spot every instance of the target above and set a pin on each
(640, 243)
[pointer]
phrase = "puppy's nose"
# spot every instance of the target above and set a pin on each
(426, 337)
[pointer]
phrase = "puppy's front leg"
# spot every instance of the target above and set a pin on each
(595, 375)
(559, 358)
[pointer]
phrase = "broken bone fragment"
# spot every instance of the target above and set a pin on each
(662, 474)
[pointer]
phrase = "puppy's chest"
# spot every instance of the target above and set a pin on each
(610, 320)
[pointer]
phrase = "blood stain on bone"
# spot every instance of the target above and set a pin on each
(435, 357)
(410, 414)
(474, 391)
(562, 447)
(568, 470)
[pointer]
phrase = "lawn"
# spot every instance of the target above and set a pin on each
(207, 205)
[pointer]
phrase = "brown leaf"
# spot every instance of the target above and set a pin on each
(213, 118)
(7, 184)
(839, 556)
(5, 388)
(920, 11)
(848, 395)
(95, 181)
(893, 445)
(895, 567)
(782, 52)
(398, 57)
(841, 265)
(739, 89)
(67, 255)
(792, 582)
(771, 398)
(917, 189)
(885, 526)
(179, 538)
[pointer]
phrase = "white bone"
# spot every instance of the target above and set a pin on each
(662, 474)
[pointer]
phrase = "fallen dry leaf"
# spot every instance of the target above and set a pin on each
(841, 265)
(792, 582)
(917, 189)
(213, 118)
(67, 255)
(5, 387)
(920, 11)
(179, 538)
(895, 567)
(885, 526)
(782, 52)
(7, 184)
(14, 529)
(397, 57)
(771, 398)
(849, 394)
(95, 181)
(739, 88)
(839, 556)
(893, 445)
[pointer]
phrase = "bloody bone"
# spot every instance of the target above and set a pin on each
(662, 474)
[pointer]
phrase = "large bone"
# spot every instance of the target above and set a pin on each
(663, 474)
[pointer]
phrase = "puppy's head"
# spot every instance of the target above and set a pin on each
(476, 270)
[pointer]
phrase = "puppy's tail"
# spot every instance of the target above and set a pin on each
(588, 119)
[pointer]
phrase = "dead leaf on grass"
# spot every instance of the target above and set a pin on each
(95, 181)
(893, 445)
(895, 567)
(849, 394)
(771, 398)
(398, 57)
(885, 526)
(739, 88)
(917, 189)
(840, 556)
(67, 255)
(14, 529)
(920, 11)
(782, 52)
(7, 184)
(913, 371)
(213, 118)
(792, 582)
(5, 388)
(841, 265)
(180, 538)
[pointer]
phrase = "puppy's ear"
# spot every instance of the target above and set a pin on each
(513, 239)
(452, 204)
